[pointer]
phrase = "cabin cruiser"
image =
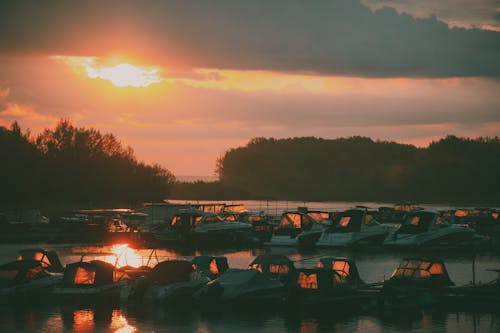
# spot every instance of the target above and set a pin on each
(299, 228)
(169, 282)
(426, 227)
(416, 282)
(26, 278)
(354, 227)
(91, 279)
(196, 228)
(242, 287)
(335, 281)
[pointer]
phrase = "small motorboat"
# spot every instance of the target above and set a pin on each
(354, 227)
(169, 282)
(23, 279)
(298, 228)
(427, 228)
(333, 284)
(416, 282)
(242, 287)
(88, 280)
(193, 227)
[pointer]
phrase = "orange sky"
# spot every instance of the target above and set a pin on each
(182, 99)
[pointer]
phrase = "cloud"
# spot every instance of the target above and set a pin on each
(327, 37)
(456, 13)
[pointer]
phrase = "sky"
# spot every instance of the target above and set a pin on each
(182, 82)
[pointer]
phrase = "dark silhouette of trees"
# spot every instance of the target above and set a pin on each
(357, 168)
(75, 164)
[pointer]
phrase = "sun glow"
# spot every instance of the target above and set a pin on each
(119, 73)
(124, 256)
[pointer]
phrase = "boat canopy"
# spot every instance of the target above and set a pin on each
(319, 279)
(418, 222)
(20, 271)
(422, 269)
(346, 268)
(212, 266)
(272, 264)
(296, 220)
(171, 271)
(92, 273)
(350, 221)
(237, 282)
(49, 259)
(186, 219)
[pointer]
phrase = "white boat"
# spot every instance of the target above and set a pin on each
(196, 227)
(354, 227)
(426, 227)
(297, 228)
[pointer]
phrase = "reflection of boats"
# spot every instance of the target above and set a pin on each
(27, 277)
(426, 227)
(416, 282)
(300, 228)
(193, 227)
(171, 281)
(90, 279)
(354, 227)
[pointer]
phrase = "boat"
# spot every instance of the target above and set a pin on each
(49, 260)
(299, 228)
(482, 296)
(26, 279)
(416, 282)
(209, 266)
(242, 288)
(169, 282)
(89, 280)
(427, 228)
(193, 227)
(335, 282)
(354, 227)
(275, 266)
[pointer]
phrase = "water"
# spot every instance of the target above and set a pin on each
(373, 266)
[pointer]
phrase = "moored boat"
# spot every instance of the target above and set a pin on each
(427, 228)
(354, 227)
(90, 280)
(416, 282)
(297, 228)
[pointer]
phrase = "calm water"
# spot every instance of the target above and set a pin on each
(373, 267)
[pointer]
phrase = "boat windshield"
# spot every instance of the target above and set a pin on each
(185, 220)
(295, 220)
(212, 219)
(418, 269)
(318, 216)
(417, 223)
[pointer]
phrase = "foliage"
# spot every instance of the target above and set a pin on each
(72, 163)
(357, 168)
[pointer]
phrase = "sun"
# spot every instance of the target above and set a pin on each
(125, 75)
(122, 74)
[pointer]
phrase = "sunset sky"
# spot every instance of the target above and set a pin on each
(183, 81)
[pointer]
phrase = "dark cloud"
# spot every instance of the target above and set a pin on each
(340, 37)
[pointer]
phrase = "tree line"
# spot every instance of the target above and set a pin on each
(69, 163)
(452, 169)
